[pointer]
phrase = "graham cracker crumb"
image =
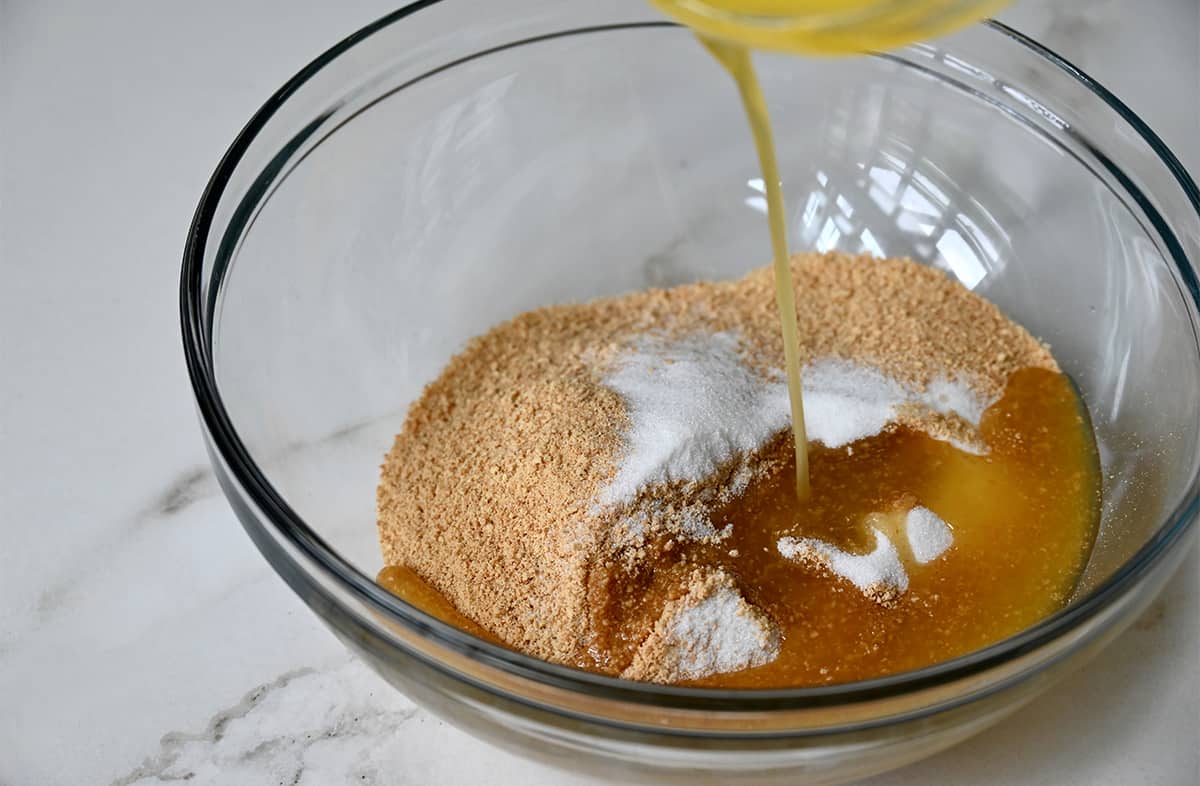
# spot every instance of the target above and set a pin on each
(489, 491)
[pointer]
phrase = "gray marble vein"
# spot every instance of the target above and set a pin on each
(174, 744)
(282, 732)
(187, 488)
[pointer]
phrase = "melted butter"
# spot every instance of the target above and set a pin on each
(730, 28)
(405, 584)
(826, 27)
(736, 60)
(1024, 517)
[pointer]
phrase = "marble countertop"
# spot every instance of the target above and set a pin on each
(142, 637)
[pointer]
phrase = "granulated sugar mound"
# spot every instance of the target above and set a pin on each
(928, 535)
(576, 440)
(879, 573)
(710, 630)
(693, 404)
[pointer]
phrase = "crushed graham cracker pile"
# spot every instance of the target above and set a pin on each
(492, 491)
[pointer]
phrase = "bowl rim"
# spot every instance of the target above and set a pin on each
(291, 527)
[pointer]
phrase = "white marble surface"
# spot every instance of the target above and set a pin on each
(142, 638)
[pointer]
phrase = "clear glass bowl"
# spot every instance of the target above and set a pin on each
(456, 163)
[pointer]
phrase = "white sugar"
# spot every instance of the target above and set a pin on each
(946, 397)
(928, 538)
(881, 568)
(719, 634)
(844, 402)
(928, 535)
(694, 405)
(691, 521)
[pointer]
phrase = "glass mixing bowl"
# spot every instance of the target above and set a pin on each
(456, 163)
